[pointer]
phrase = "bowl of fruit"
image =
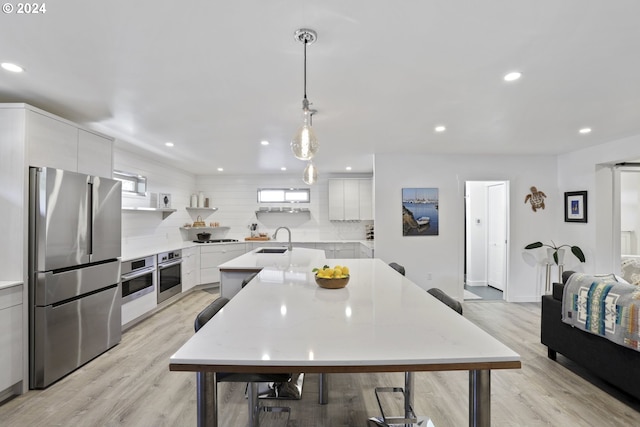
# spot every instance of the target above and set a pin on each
(332, 278)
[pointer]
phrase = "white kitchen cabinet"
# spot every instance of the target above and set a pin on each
(350, 199)
(51, 142)
(55, 142)
(365, 251)
(190, 267)
(11, 332)
(95, 154)
(211, 256)
(345, 250)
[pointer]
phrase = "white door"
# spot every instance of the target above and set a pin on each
(496, 235)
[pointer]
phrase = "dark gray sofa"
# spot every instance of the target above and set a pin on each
(617, 365)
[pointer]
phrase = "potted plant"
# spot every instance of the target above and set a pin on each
(552, 247)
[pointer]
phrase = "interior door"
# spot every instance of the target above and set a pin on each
(496, 235)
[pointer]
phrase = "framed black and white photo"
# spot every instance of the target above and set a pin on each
(575, 206)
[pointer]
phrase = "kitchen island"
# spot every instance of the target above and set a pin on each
(381, 322)
(281, 262)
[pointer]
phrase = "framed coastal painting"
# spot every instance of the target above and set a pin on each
(575, 206)
(420, 211)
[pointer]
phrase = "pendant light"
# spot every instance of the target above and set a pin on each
(304, 143)
(310, 175)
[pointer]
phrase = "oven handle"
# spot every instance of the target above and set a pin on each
(137, 273)
(169, 264)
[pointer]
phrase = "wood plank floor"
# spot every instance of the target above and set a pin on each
(131, 384)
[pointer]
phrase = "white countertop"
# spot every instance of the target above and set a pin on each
(298, 258)
(9, 283)
(381, 320)
(133, 253)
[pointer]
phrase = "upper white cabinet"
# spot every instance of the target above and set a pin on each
(95, 154)
(55, 142)
(350, 199)
(51, 142)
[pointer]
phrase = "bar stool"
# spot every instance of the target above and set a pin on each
(252, 379)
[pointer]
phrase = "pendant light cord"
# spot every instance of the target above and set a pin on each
(305, 68)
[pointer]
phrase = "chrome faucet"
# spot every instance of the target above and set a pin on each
(289, 231)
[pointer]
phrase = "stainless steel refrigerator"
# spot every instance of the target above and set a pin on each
(74, 271)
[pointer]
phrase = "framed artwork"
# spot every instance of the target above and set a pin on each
(164, 200)
(575, 206)
(420, 211)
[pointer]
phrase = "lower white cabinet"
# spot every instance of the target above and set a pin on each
(11, 331)
(190, 267)
(211, 256)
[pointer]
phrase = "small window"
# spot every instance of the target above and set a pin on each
(131, 183)
(284, 195)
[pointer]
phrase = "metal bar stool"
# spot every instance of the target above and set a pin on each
(207, 380)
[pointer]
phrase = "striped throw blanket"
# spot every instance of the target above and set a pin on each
(603, 306)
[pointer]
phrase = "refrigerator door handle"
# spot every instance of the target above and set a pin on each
(90, 217)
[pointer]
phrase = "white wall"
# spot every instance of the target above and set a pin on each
(236, 200)
(589, 170)
(147, 230)
(442, 255)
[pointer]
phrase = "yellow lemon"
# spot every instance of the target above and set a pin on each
(345, 270)
(337, 272)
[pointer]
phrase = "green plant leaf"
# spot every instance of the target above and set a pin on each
(578, 253)
(534, 245)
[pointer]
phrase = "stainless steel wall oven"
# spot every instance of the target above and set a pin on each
(169, 274)
(138, 278)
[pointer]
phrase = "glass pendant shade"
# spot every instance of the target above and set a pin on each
(304, 143)
(310, 175)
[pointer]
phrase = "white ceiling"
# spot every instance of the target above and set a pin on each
(216, 78)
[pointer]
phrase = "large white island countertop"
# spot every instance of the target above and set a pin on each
(296, 258)
(381, 322)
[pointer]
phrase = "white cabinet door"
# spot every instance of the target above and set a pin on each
(51, 142)
(366, 199)
(190, 268)
(94, 154)
(336, 200)
(351, 199)
(10, 336)
(212, 256)
(344, 250)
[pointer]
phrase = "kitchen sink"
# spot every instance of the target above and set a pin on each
(271, 251)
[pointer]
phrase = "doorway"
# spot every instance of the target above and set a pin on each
(486, 240)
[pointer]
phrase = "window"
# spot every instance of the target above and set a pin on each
(284, 195)
(131, 183)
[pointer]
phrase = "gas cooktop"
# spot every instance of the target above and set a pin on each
(216, 241)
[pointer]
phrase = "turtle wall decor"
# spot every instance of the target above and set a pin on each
(536, 198)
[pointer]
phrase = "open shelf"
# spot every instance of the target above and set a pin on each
(165, 212)
(203, 210)
(204, 228)
(283, 211)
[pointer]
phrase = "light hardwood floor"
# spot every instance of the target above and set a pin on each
(131, 385)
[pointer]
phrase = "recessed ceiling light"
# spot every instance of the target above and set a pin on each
(169, 144)
(264, 142)
(348, 168)
(220, 169)
(283, 168)
(440, 128)
(585, 131)
(512, 76)
(12, 67)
